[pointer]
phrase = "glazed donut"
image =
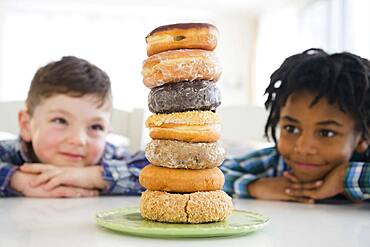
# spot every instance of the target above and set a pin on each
(180, 65)
(180, 36)
(197, 207)
(184, 96)
(181, 180)
(184, 155)
(190, 126)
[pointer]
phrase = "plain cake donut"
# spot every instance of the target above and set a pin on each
(197, 207)
(184, 155)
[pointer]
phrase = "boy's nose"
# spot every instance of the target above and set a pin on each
(305, 145)
(78, 137)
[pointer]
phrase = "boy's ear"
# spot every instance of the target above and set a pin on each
(362, 145)
(24, 122)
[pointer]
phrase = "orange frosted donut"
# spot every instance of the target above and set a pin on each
(182, 36)
(180, 65)
(181, 180)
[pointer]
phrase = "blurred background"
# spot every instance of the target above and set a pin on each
(255, 37)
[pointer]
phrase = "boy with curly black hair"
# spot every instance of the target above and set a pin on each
(319, 104)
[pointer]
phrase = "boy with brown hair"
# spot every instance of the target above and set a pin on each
(62, 151)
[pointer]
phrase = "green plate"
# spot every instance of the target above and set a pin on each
(129, 221)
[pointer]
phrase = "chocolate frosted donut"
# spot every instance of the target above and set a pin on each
(184, 96)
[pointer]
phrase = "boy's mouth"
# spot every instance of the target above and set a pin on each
(73, 156)
(307, 166)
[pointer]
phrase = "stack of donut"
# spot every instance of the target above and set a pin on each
(183, 182)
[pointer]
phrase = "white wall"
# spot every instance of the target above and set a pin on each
(113, 37)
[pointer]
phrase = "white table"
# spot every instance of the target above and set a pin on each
(71, 222)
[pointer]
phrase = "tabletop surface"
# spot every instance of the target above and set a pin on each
(71, 222)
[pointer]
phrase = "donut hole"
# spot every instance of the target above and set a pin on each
(179, 37)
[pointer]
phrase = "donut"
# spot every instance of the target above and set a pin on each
(184, 155)
(182, 35)
(184, 96)
(180, 65)
(197, 207)
(181, 180)
(190, 126)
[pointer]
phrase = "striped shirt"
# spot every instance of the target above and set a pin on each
(120, 169)
(241, 171)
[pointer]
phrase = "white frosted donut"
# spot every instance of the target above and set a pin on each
(180, 65)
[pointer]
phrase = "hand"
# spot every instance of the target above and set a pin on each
(20, 182)
(331, 185)
(274, 189)
(50, 176)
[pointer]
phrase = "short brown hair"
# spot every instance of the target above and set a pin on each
(72, 76)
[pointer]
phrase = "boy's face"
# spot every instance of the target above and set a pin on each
(67, 130)
(315, 140)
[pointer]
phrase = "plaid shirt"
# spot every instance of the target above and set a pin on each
(240, 172)
(120, 169)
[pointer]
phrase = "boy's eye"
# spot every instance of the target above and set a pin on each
(97, 127)
(59, 121)
(326, 133)
(291, 129)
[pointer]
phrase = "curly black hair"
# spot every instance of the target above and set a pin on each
(343, 78)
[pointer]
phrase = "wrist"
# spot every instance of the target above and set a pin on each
(99, 182)
(342, 174)
(17, 181)
(252, 188)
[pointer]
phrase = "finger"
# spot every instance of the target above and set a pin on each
(312, 194)
(44, 177)
(307, 186)
(304, 200)
(90, 193)
(65, 191)
(53, 183)
(291, 177)
(300, 199)
(35, 168)
(32, 168)
(86, 192)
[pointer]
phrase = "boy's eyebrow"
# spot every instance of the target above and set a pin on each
(330, 122)
(290, 119)
(69, 114)
(325, 122)
(59, 111)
